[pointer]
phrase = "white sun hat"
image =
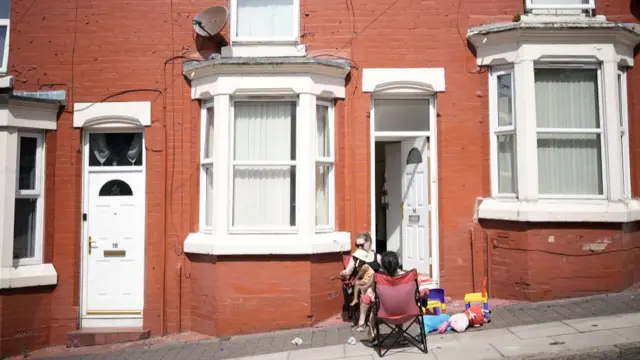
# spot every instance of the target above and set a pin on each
(361, 255)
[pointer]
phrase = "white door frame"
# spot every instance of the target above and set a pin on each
(106, 321)
(433, 170)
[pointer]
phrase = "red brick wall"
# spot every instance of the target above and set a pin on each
(545, 261)
(95, 49)
(248, 294)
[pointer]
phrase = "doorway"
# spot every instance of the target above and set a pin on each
(113, 217)
(404, 186)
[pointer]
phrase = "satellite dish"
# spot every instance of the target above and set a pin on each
(210, 21)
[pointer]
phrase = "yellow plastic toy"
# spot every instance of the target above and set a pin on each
(479, 297)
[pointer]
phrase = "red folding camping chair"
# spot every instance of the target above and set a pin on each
(397, 304)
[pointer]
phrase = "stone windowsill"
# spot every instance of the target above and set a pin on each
(28, 276)
(622, 211)
(267, 244)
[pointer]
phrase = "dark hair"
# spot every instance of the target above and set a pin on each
(390, 263)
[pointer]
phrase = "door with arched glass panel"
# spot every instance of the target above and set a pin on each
(415, 204)
(114, 229)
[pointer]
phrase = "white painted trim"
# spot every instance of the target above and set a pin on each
(27, 115)
(560, 211)
(263, 50)
(433, 172)
(119, 115)
(267, 244)
(111, 127)
(626, 163)
(28, 276)
(403, 80)
(247, 84)
(294, 38)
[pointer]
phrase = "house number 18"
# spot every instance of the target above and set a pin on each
(114, 245)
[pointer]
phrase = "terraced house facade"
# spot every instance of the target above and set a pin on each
(157, 179)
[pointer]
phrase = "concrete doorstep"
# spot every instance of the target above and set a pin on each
(598, 338)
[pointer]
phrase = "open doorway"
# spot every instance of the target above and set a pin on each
(404, 183)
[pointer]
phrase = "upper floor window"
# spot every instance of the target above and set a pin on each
(265, 20)
(560, 4)
(5, 12)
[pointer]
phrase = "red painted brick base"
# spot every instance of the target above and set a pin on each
(248, 294)
(549, 261)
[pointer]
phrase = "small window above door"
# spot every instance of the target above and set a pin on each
(414, 157)
(115, 149)
(115, 188)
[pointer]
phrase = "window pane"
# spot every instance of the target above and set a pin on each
(208, 134)
(323, 140)
(208, 212)
(115, 149)
(505, 97)
(621, 97)
(3, 42)
(570, 164)
(5, 9)
(265, 18)
(507, 181)
(567, 99)
(265, 131)
(401, 115)
(27, 163)
(264, 196)
(24, 228)
(559, 2)
(322, 194)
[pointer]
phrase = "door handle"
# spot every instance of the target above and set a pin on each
(402, 209)
(89, 245)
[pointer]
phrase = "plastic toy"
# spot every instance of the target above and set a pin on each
(435, 300)
(479, 297)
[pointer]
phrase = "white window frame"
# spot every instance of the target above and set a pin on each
(497, 130)
(232, 163)
(624, 132)
(589, 6)
(204, 164)
(37, 193)
(327, 161)
(294, 38)
(5, 60)
(603, 140)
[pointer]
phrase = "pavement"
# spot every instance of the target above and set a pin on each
(608, 324)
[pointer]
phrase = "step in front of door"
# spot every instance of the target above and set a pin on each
(105, 336)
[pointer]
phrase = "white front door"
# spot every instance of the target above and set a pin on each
(114, 240)
(415, 204)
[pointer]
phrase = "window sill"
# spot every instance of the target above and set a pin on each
(28, 276)
(263, 50)
(267, 244)
(622, 211)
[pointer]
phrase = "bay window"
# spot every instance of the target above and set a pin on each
(264, 165)
(207, 167)
(28, 211)
(504, 134)
(324, 166)
(569, 132)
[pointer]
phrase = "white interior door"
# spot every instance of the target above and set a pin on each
(415, 205)
(114, 249)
